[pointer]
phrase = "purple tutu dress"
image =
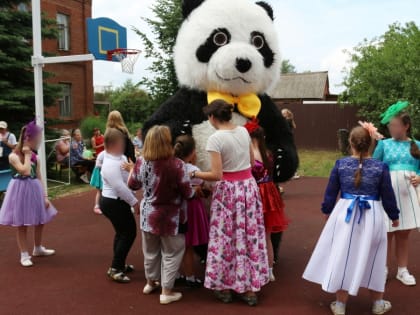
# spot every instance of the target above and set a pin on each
(24, 203)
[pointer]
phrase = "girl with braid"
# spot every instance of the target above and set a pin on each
(351, 251)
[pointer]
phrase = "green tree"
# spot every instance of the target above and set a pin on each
(164, 26)
(16, 76)
(385, 70)
(287, 67)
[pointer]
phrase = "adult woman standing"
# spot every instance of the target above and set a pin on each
(402, 155)
(115, 120)
(97, 141)
(237, 257)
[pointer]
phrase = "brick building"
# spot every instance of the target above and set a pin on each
(76, 78)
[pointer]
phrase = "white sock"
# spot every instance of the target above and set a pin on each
(24, 255)
(190, 278)
(338, 303)
(270, 271)
(39, 248)
(402, 269)
(379, 302)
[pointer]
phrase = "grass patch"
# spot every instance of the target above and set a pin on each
(314, 163)
(55, 192)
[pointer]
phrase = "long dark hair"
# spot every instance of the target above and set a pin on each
(406, 121)
(259, 135)
(361, 141)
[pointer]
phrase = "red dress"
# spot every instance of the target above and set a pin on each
(275, 219)
(98, 141)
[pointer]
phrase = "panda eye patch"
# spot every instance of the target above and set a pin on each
(220, 39)
(258, 41)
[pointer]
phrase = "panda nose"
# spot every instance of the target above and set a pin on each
(243, 65)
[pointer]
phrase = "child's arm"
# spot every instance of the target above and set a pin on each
(388, 197)
(134, 182)
(379, 151)
(24, 168)
(333, 188)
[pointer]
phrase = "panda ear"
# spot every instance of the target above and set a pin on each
(190, 5)
(267, 8)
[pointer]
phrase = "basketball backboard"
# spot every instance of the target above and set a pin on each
(104, 35)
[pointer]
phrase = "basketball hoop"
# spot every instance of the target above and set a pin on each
(127, 58)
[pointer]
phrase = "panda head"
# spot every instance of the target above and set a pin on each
(227, 46)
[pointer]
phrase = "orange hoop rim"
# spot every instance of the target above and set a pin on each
(122, 51)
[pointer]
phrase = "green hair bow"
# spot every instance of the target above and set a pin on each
(393, 111)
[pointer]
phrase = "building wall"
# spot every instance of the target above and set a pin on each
(80, 74)
(318, 124)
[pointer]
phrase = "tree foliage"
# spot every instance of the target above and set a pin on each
(17, 103)
(133, 103)
(287, 67)
(164, 26)
(385, 70)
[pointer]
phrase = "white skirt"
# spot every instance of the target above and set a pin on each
(407, 200)
(351, 255)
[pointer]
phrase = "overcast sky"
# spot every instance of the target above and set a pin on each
(312, 33)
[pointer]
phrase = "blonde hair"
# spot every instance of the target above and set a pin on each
(112, 136)
(115, 120)
(158, 144)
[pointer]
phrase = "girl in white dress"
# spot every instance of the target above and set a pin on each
(351, 251)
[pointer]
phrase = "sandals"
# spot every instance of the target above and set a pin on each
(224, 296)
(129, 269)
(118, 276)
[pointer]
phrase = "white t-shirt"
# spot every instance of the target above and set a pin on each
(115, 179)
(234, 147)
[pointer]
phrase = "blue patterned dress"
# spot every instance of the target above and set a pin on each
(396, 154)
(351, 251)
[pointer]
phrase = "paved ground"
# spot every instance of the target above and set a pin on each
(74, 282)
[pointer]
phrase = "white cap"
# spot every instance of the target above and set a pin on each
(3, 124)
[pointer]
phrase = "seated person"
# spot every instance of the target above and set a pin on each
(62, 148)
(76, 156)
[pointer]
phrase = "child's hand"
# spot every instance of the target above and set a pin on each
(47, 203)
(127, 166)
(415, 180)
(137, 208)
(395, 223)
(26, 150)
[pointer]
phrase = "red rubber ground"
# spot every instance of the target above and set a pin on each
(74, 282)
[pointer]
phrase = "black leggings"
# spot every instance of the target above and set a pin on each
(122, 219)
(89, 164)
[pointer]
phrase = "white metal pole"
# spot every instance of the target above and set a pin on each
(38, 82)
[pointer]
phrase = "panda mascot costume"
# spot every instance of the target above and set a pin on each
(227, 49)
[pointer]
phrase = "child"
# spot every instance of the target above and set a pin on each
(351, 251)
(275, 219)
(116, 202)
(163, 217)
(96, 181)
(198, 225)
(26, 202)
(237, 257)
(402, 155)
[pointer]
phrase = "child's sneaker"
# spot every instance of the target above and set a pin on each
(97, 209)
(406, 278)
(338, 308)
(26, 262)
(42, 251)
(381, 307)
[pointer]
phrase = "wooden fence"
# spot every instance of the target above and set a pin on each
(318, 123)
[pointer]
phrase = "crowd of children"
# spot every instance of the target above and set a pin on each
(378, 183)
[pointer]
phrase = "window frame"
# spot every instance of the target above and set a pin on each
(65, 101)
(63, 26)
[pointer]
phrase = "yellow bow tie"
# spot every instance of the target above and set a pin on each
(248, 105)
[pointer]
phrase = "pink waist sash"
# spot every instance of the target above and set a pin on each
(237, 176)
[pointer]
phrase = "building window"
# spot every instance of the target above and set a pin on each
(22, 7)
(63, 22)
(65, 102)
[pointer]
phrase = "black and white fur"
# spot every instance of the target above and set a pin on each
(227, 46)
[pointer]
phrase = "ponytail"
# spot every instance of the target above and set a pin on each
(414, 148)
(184, 146)
(358, 174)
(22, 136)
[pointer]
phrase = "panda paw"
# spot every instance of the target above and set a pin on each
(186, 127)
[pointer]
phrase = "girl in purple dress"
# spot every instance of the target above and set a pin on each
(198, 223)
(351, 251)
(26, 202)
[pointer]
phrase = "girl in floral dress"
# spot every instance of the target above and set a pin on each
(237, 256)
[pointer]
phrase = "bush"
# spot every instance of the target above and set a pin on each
(89, 123)
(132, 127)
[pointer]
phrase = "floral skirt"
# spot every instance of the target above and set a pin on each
(237, 253)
